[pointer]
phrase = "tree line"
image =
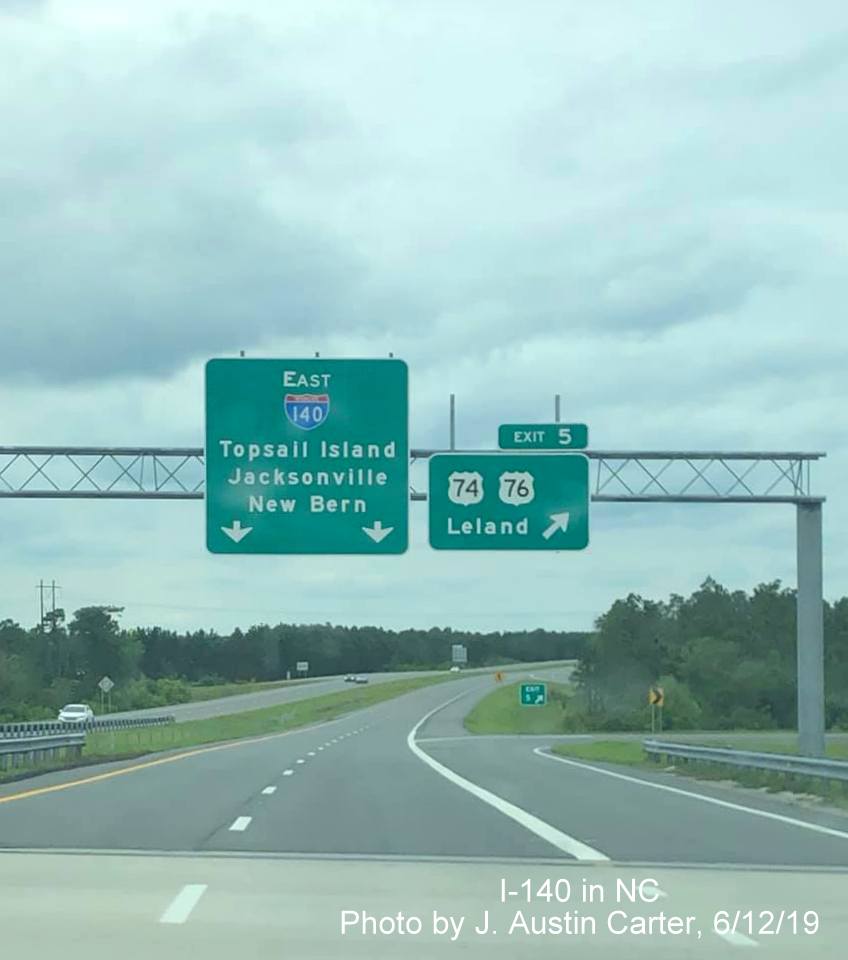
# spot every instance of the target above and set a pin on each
(44, 667)
(725, 659)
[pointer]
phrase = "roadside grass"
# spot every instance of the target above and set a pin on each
(630, 753)
(784, 743)
(627, 752)
(501, 712)
(214, 691)
(125, 744)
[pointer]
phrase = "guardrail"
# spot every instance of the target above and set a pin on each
(17, 751)
(774, 762)
(43, 728)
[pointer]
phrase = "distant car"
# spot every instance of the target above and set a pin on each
(76, 713)
(454, 669)
(350, 678)
(360, 679)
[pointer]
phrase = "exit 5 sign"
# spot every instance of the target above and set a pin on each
(543, 436)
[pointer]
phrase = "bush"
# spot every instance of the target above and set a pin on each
(748, 718)
(144, 693)
(681, 711)
(210, 680)
(579, 718)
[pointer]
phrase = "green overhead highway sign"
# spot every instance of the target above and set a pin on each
(543, 436)
(307, 456)
(502, 501)
(533, 694)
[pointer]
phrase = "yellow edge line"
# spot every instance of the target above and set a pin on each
(179, 756)
(149, 763)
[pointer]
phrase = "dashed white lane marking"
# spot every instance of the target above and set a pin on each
(738, 939)
(311, 753)
(240, 824)
(779, 817)
(301, 760)
(569, 845)
(269, 790)
(288, 773)
(320, 749)
(179, 909)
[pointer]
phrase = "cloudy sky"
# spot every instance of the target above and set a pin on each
(641, 206)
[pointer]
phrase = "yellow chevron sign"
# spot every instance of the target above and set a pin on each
(656, 696)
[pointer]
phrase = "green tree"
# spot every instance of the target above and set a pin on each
(100, 648)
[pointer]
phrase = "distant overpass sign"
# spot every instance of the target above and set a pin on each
(307, 456)
(533, 694)
(543, 436)
(494, 501)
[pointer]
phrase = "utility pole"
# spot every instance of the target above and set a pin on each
(41, 605)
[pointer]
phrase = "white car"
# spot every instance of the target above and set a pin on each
(454, 669)
(360, 679)
(349, 678)
(76, 713)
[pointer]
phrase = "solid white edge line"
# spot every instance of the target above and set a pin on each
(562, 841)
(179, 909)
(779, 817)
(269, 790)
(240, 824)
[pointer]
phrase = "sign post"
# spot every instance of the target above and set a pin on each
(502, 501)
(656, 698)
(307, 456)
(533, 694)
(106, 684)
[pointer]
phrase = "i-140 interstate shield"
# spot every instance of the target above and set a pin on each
(307, 456)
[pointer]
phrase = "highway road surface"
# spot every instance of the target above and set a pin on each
(297, 690)
(260, 844)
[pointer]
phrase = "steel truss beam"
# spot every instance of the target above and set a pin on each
(176, 473)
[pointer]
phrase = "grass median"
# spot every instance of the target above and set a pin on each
(124, 744)
(217, 690)
(501, 712)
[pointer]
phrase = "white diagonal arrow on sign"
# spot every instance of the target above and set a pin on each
(378, 532)
(560, 522)
(236, 532)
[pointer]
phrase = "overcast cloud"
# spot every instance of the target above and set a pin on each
(639, 206)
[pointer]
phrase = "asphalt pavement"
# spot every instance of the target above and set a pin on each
(298, 690)
(90, 906)
(259, 845)
(403, 778)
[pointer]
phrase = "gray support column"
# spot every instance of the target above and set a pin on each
(810, 630)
